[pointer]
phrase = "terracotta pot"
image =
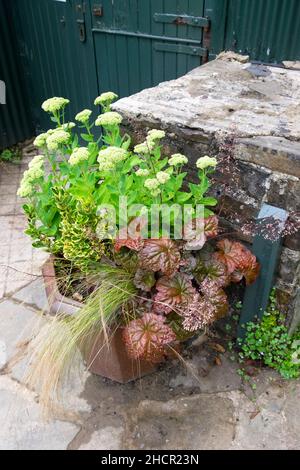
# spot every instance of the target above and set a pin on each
(108, 360)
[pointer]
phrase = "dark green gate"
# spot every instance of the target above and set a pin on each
(140, 43)
(77, 48)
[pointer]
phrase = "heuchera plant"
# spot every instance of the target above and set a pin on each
(180, 282)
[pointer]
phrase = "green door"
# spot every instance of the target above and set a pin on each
(140, 43)
(55, 44)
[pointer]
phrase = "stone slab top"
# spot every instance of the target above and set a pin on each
(226, 95)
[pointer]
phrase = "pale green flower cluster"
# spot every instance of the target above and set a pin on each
(83, 116)
(40, 140)
(155, 134)
(206, 162)
(178, 159)
(154, 184)
(105, 98)
(57, 137)
(144, 148)
(109, 119)
(78, 155)
(52, 105)
(37, 162)
(110, 157)
(142, 172)
(162, 177)
(150, 143)
(68, 126)
(35, 171)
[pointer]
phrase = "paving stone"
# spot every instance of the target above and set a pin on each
(204, 421)
(108, 438)
(3, 354)
(19, 274)
(3, 275)
(292, 414)
(71, 398)
(21, 251)
(24, 427)
(18, 324)
(7, 189)
(33, 294)
(261, 425)
(7, 209)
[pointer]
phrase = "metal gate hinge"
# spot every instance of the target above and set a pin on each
(178, 20)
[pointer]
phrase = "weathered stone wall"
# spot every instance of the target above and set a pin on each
(260, 106)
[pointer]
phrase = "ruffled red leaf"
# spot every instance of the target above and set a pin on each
(135, 245)
(147, 337)
(211, 270)
(199, 230)
(248, 268)
(160, 255)
(194, 234)
(173, 292)
(211, 226)
(228, 254)
(131, 237)
(240, 262)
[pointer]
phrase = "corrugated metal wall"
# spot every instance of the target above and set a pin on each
(267, 30)
(15, 118)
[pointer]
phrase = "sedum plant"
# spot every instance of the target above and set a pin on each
(176, 285)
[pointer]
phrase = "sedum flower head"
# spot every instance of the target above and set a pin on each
(156, 134)
(40, 140)
(155, 192)
(26, 189)
(68, 126)
(52, 105)
(34, 172)
(50, 131)
(178, 159)
(110, 157)
(206, 162)
(144, 148)
(152, 184)
(162, 177)
(142, 172)
(78, 155)
(109, 119)
(56, 138)
(106, 98)
(36, 162)
(83, 116)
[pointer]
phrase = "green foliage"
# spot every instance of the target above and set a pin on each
(62, 205)
(268, 341)
(10, 155)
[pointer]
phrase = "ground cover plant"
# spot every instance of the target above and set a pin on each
(131, 237)
(268, 342)
(10, 155)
